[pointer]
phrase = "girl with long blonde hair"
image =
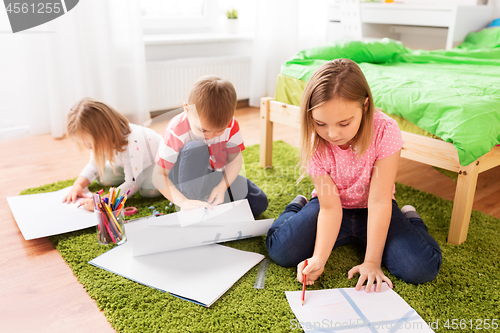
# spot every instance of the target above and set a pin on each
(120, 153)
(351, 153)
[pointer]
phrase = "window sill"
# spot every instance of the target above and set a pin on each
(194, 38)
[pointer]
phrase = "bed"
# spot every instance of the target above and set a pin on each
(447, 104)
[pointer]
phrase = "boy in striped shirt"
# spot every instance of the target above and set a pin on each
(200, 158)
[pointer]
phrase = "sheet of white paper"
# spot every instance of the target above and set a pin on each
(44, 214)
(200, 274)
(227, 222)
(237, 211)
(161, 237)
(224, 213)
(348, 310)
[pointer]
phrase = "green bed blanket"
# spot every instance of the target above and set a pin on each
(454, 95)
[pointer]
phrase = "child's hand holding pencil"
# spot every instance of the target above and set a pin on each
(87, 203)
(76, 193)
(312, 272)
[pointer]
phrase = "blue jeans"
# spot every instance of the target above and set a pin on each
(410, 253)
(193, 178)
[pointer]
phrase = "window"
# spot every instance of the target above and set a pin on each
(172, 9)
(167, 16)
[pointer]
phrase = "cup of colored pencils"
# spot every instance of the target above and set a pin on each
(109, 211)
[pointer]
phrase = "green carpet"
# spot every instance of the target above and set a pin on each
(468, 286)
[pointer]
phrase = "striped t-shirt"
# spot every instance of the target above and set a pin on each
(179, 132)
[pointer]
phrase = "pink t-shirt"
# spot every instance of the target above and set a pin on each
(352, 176)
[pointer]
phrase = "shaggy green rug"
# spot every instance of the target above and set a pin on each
(467, 287)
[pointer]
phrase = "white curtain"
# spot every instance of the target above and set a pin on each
(496, 8)
(283, 28)
(94, 50)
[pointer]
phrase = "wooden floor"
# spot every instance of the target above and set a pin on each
(38, 291)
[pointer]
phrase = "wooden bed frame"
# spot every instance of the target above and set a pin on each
(417, 148)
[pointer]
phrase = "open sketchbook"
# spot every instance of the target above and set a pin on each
(44, 214)
(161, 254)
(349, 310)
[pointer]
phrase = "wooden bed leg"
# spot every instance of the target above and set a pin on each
(462, 206)
(266, 134)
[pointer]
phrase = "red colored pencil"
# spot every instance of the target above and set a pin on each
(304, 286)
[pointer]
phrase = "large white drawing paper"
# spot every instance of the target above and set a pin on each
(166, 234)
(348, 310)
(162, 238)
(44, 214)
(237, 211)
(199, 274)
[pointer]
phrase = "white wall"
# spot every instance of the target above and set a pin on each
(496, 8)
(19, 72)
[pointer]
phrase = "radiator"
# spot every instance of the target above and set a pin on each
(169, 81)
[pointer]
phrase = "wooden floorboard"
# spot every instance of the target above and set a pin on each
(38, 291)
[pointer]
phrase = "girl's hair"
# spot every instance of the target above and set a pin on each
(107, 128)
(340, 78)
